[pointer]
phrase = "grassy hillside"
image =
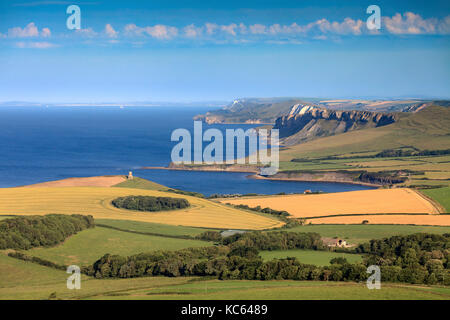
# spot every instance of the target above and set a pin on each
(96, 201)
(88, 246)
(427, 129)
(153, 228)
(139, 183)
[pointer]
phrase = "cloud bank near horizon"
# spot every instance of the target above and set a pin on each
(405, 24)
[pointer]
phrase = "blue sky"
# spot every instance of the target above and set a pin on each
(220, 50)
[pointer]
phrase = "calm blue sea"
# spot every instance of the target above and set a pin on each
(47, 143)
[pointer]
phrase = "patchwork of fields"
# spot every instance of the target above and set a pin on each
(96, 201)
(379, 201)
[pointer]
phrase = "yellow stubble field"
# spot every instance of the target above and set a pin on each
(380, 201)
(96, 201)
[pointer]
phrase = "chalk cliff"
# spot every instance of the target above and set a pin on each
(305, 122)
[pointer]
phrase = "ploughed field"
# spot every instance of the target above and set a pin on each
(380, 206)
(96, 201)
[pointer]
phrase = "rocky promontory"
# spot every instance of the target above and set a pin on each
(305, 122)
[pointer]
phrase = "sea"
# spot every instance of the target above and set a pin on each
(40, 144)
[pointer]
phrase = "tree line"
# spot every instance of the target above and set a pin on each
(149, 203)
(421, 258)
(27, 232)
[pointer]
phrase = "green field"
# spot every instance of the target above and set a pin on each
(25, 280)
(285, 290)
(89, 245)
(320, 258)
(148, 227)
(441, 195)
(356, 234)
(5, 217)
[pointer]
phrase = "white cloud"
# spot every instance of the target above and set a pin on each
(211, 28)
(258, 29)
(29, 31)
(88, 32)
(35, 45)
(229, 29)
(411, 23)
(159, 31)
(191, 31)
(110, 32)
(46, 32)
(162, 32)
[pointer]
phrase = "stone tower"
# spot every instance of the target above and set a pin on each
(130, 175)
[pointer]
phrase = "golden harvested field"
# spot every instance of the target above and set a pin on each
(96, 201)
(400, 200)
(423, 220)
(101, 181)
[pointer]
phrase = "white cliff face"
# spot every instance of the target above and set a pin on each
(305, 122)
(299, 109)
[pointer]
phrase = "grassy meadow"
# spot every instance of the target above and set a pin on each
(89, 245)
(152, 228)
(319, 258)
(441, 195)
(30, 281)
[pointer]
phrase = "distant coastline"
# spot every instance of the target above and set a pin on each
(308, 177)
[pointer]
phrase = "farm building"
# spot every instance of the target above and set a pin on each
(335, 242)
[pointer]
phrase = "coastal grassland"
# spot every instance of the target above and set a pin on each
(89, 245)
(358, 233)
(96, 201)
(316, 257)
(98, 181)
(441, 195)
(139, 183)
(377, 201)
(25, 280)
(152, 228)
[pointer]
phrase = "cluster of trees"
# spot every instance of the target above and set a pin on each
(274, 212)
(413, 259)
(387, 153)
(148, 203)
(233, 195)
(381, 177)
(34, 231)
(410, 153)
(223, 262)
(274, 240)
(417, 258)
(187, 193)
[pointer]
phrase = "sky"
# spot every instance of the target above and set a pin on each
(184, 51)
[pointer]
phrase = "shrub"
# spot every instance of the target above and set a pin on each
(35, 231)
(148, 203)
